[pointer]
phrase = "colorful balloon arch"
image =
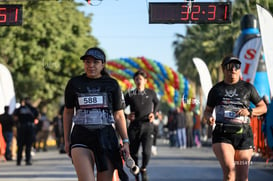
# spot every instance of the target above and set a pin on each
(171, 86)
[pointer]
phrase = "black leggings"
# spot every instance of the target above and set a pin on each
(141, 134)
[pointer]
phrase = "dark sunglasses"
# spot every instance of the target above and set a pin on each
(230, 66)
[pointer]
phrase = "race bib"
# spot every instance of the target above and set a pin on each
(230, 114)
(90, 100)
(234, 118)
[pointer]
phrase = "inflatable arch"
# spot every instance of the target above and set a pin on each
(172, 87)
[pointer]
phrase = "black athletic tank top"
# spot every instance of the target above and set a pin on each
(228, 99)
(95, 100)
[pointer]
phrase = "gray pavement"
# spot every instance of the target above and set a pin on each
(171, 164)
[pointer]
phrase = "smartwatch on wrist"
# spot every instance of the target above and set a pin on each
(125, 141)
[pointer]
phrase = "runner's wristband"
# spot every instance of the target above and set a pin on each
(125, 141)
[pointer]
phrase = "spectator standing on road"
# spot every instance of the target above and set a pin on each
(7, 129)
(24, 117)
(232, 137)
(144, 105)
(189, 128)
(61, 129)
(98, 103)
(57, 126)
(179, 116)
(197, 128)
(42, 135)
(172, 127)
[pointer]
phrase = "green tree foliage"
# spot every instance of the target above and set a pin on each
(211, 42)
(44, 52)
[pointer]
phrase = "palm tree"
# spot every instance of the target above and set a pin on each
(211, 42)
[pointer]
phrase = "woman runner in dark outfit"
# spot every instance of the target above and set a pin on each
(98, 103)
(143, 106)
(232, 136)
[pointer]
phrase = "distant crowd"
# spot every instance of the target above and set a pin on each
(180, 128)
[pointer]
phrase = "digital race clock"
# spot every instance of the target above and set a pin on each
(11, 15)
(194, 12)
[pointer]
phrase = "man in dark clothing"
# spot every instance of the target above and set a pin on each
(172, 127)
(25, 116)
(179, 116)
(143, 106)
(7, 123)
(61, 131)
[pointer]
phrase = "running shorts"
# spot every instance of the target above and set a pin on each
(240, 141)
(103, 142)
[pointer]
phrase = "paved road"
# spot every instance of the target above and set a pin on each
(171, 164)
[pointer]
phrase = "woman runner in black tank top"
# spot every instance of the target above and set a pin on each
(232, 138)
(94, 103)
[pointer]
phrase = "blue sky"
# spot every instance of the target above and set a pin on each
(123, 30)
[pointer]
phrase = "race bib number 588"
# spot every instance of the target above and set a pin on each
(92, 100)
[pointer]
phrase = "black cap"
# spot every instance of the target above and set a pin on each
(94, 52)
(229, 59)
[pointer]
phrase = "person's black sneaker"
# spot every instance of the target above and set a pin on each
(28, 163)
(144, 175)
(9, 159)
(18, 163)
(62, 151)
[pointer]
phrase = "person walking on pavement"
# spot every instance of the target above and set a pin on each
(189, 128)
(43, 133)
(61, 131)
(24, 117)
(197, 128)
(179, 116)
(144, 105)
(94, 103)
(172, 128)
(57, 126)
(7, 122)
(232, 137)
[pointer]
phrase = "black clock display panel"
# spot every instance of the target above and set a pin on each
(195, 12)
(11, 15)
